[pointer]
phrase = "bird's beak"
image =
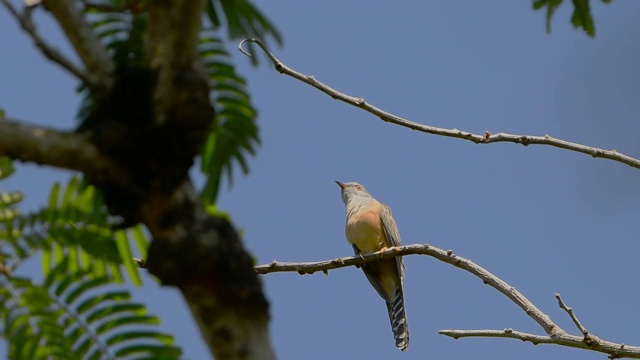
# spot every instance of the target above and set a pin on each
(340, 184)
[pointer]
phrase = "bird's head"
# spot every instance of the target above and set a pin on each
(353, 191)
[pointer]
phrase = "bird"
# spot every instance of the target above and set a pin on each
(370, 227)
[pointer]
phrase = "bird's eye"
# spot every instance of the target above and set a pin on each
(359, 187)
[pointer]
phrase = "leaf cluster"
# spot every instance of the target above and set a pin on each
(580, 19)
(121, 27)
(81, 309)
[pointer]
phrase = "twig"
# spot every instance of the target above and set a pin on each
(573, 316)
(486, 138)
(614, 350)
(52, 54)
(142, 263)
(86, 43)
(555, 334)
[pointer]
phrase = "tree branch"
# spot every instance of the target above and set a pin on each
(67, 150)
(99, 64)
(171, 48)
(26, 22)
(555, 334)
(486, 138)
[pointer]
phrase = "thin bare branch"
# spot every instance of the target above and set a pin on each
(26, 22)
(486, 138)
(446, 256)
(94, 56)
(555, 334)
(572, 315)
(506, 333)
(615, 350)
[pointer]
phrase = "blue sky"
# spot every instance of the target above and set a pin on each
(543, 219)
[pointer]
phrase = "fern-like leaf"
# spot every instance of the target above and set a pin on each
(235, 134)
(80, 229)
(76, 315)
(74, 225)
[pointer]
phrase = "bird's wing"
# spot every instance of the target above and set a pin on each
(396, 308)
(392, 234)
(373, 272)
(390, 227)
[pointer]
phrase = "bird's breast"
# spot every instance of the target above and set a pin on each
(364, 230)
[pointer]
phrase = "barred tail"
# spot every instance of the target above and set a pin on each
(398, 318)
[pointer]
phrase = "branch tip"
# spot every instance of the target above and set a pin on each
(264, 48)
(140, 262)
(242, 50)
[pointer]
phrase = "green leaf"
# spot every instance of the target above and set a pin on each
(107, 326)
(55, 273)
(113, 296)
(122, 337)
(215, 212)
(112, 310)
(161, 351)
(53, 201)
(142, 243)
(84, 287)
(243, 20)
(6, 167)
(9, 199)
(582, 18)
(122, 242)
(551, 5)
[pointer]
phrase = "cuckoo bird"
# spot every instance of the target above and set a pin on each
(370, 228)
